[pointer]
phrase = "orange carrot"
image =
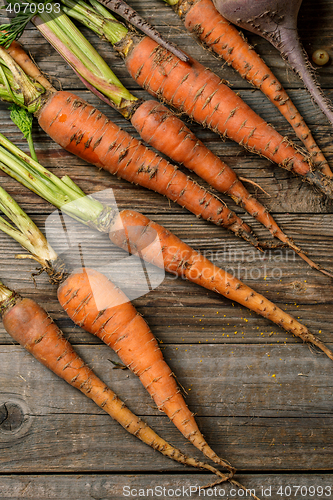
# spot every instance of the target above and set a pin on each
(216, 33)
(84, 131)
(205, 98)
(132, 230)
(32, 327)
(79, 128)
(95, 304)
(98, 306)
(163, 130)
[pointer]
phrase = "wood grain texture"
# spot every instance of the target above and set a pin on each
(261, 406)
(262, 398)
(61, 487)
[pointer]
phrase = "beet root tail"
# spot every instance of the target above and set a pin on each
(299, 61)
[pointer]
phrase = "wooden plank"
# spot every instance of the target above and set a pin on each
(92, 443)
(176, 319)
(116, 487)
(266, 381)
(259, 421)
(262, 270)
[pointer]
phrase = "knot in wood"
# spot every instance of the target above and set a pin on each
(11, 416)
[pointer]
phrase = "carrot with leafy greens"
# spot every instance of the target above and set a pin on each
(204, 97)
(30, 325)
(159, 128)
(134, 233)
(99, 307)
(83, 130)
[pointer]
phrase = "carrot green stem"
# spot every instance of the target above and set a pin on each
(60, 193)
(31, 146)
(65, 37)
(101, 21)
(5, 293)
(171, 2)
(59, 30)
(68, 181)
(24, 231)
(96, 18)
(15, 85)
(8, 298)
(102, 10)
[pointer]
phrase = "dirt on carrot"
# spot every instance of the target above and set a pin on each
(99, 307)
(30, 325)
(205, 98)
(217, 34)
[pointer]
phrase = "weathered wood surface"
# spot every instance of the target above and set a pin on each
(262, 398)
(89, 487)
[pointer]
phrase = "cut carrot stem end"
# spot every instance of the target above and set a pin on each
(131, 16)
(5, 294)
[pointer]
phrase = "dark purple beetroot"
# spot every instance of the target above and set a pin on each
(276, 20)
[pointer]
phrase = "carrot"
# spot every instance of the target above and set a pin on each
(95, 304)
(130, 231)
(99, 307)
(84, 131)
(166, 132)
(30, 325)
(202, 95)
(216, 33)
(136, 234)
